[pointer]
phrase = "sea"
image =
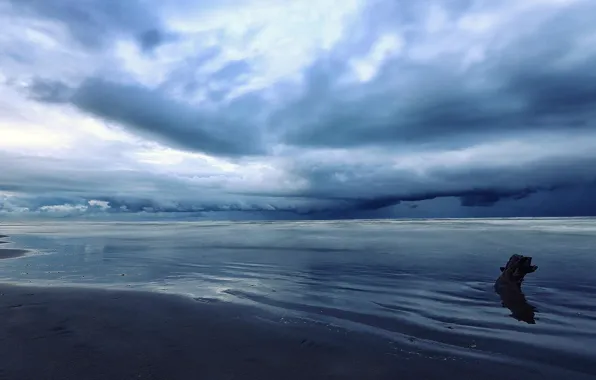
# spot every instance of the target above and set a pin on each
(428, 281)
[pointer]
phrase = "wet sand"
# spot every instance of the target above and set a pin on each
(68, 333)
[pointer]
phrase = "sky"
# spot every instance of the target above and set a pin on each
(310, 109)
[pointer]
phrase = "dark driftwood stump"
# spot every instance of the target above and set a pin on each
(508, 287)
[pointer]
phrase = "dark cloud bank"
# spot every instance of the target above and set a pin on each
(523, 90)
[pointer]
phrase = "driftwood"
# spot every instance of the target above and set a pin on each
(508, 287)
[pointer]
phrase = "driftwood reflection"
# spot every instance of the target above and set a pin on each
(508, 287)
(514, 299)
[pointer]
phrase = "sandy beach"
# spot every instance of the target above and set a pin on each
(96, 334)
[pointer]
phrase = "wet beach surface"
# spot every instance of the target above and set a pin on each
(354, 300)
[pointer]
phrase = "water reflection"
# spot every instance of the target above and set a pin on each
(513, 298)
(508, 287)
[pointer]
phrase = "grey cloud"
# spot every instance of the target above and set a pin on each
(152, 113)
(152, 38)
(94, 23)
(564, 202)
(232, 70)
(57, 185)
(523, 87)
(38, 185)
(185, 75)
(371, 187)
(229, 131)
(224, 80)
(447, 113)
(49, 91)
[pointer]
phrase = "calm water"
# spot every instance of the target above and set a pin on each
(429, 283)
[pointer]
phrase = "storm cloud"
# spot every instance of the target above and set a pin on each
(178, 123)
(525, 85)
(386, 109)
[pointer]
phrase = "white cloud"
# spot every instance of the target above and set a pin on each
(65, 209)
(103, 205)
(386, 47)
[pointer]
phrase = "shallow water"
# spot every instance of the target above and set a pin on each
(429, 283)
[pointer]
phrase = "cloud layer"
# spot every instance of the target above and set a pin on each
(320, 109)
